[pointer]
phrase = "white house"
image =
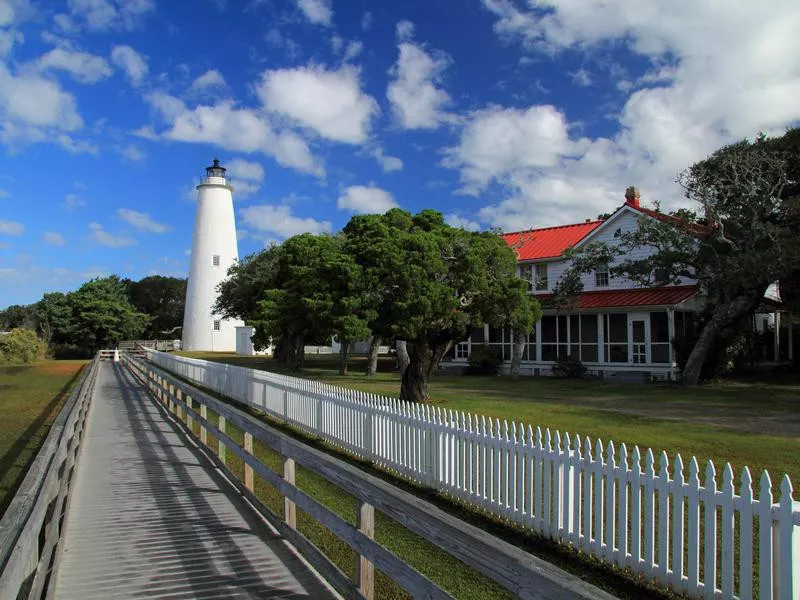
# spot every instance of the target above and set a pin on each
(616, 329)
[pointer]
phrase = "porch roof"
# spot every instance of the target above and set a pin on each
(664, 296)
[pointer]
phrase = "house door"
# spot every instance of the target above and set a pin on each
(639, 338)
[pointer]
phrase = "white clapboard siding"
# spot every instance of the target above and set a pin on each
(625, 508)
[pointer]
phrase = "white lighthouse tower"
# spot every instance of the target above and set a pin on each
(213, 251)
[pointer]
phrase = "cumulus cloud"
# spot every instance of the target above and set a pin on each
(131, 152)
(365, 200)
(717, 73)
(101, 237)
(131, 62)
(73, 202)
(82, 66)
(109, 14)
(418, 101)
(279, 221)
(318, 12)
(388, 163)
(34, 109)
(455, 220)
(235, 129)
(211, 80)
(247, 176)
(11, 228)
(330, 103)
(53, 238)
(141, 221)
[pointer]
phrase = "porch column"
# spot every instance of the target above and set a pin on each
(791, 337)
(539, 340)
(601, 342)
(777, 335)
(670, 334)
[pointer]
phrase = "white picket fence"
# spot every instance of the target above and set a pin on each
(695, 537)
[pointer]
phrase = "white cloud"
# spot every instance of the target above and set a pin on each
(4, 194)
(235, 129)
(329, 102)
(11, 228)
(247, 176)
(416, 98)
(581, 77)
(455, 220)
(388, 163)
(209, 81)
(74, 146)
(141, 221)
(717, 73)
(365, 200)
(366, 21)
(279, 221)
(53, 238)
(146, 132)
(73, 202)
(34, 109)
(404, 30)
(110, 14)
(318, 12)
(130, 61)
(83, 66)
(131, 152)
(102, 238)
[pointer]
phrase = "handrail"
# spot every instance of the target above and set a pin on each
(31, 527)
(523, 574)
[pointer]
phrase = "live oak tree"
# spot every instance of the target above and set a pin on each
(163, 299)
(743, 238)
(433, 283)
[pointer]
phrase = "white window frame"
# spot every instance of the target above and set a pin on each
(600, 275)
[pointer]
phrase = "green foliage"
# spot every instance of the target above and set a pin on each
(163, 299)
(14, 316)
(568, 367)
(21, 346)
(484, 360)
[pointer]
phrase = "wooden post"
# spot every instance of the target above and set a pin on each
(365, 570)
(203, 430)
(220, 445)
(176, 393)
(289, 508)
(248, 470)
(189, 420)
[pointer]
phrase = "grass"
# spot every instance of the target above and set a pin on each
(30, 398)
(754, 423)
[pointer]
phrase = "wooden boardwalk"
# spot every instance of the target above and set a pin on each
(149, 517)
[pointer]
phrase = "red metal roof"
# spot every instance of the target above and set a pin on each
(694, 229)
(548, 242)
(664, 296)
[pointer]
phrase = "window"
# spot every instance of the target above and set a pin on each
(660, 276)
(215, 260)
(541, 277)
(569, 335)
(217, 325)
(601, 277)
(659, 337)
(462, 350)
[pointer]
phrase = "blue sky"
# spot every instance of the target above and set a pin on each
(504, 113)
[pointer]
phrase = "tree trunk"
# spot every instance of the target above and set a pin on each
(520, 339)
(344, 353)
(296, 353)
(374, 347)
(423, 362)
(402, 356)
(723, 316)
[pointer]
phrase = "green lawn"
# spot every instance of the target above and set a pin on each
(30, 398)
(753, 423)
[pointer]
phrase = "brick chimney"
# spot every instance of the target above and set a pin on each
(632, 196)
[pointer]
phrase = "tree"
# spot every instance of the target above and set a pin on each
(14, 316)
(432, 284)
(101, 315)
(163, 299)
(746, 240)
(21, 345)
(52, 314)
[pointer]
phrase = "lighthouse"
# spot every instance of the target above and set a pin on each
(213, 251)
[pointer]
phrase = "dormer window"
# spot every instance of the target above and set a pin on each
(601, 277)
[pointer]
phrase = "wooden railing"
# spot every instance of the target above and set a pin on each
(516, 570)
(31, 527)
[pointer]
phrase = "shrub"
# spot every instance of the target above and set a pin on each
(484, 360)
(569, 368)
(21, 346)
